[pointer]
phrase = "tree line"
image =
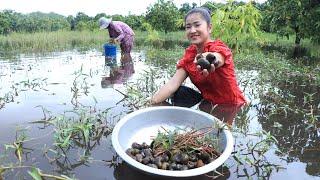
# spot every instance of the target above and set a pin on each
(298, 17)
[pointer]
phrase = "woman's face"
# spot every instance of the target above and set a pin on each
(197, 29)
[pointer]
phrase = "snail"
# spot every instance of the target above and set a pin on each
(205, 63)
(174, 160)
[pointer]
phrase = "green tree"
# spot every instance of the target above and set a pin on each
(82, 26)
(8, 21)
(266, 19)
(211, 6)
(153, 35)
(135, 22)
(117, 17)
(72, 22)
(163, 16)
(82, 17)
(38, 21)
(236, 24)
(183, 10)
(299, 16)
(81, 21)
(99, 15)
(185, 7)
(194, 5)
(4, 23)
(92, 25)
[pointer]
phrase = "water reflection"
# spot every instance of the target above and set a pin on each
(290, 116)
(124, 171)
(224, 112)
(290, 121)
(117, 74)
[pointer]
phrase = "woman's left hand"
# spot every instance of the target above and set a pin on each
(116, 41)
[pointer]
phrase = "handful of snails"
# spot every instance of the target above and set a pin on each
(205, 62)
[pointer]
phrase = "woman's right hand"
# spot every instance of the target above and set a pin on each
(170, 87)
(204, 72)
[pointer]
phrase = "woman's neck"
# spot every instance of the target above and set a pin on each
(200, 47)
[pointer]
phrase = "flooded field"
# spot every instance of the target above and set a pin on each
(57, 112)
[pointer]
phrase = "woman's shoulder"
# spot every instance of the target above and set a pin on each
(216, 42)
(191, 49)
(215, 45)
(189, 54)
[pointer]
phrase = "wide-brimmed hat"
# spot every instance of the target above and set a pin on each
(104, 22)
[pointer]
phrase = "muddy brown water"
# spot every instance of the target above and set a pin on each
(297, 151)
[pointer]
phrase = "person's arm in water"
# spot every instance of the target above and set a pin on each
(115, 27)
(220, 62)
(118, 28)
(170, 87)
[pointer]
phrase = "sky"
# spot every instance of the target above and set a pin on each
(89, 7)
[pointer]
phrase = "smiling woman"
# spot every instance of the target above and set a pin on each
(217, 84)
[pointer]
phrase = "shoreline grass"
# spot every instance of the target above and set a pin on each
(52, 41)
(64, 40)
(43, 42)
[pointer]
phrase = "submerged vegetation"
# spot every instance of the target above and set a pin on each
(80, 129)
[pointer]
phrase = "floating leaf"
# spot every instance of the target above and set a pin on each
(35, 173)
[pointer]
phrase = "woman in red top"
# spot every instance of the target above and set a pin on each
(217, 85)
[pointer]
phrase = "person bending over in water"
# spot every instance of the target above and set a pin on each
(119, 32)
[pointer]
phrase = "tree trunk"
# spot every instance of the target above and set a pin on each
(297, 49)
